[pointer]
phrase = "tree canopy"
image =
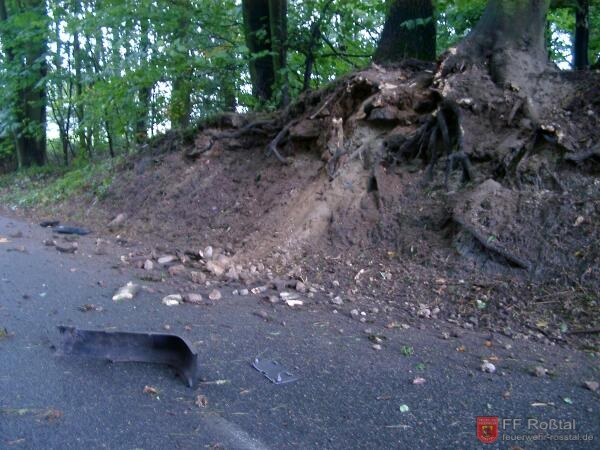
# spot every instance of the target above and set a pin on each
(92, 78)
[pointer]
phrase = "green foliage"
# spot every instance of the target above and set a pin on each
(559, 39)
(349, 31)
(595, 32)
(190, 57)
(41, 186)
(455, 18)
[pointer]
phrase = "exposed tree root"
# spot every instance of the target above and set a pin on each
(465, 164)
(254, 127)
(487, 244)
(578, 158)
(272, 147)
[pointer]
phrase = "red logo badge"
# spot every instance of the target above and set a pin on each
(487, 429)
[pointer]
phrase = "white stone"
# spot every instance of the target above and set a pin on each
(215, 294)
(126, 292)
(166, 259)
(172, 300)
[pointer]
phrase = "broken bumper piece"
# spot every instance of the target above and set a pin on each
(123, 346)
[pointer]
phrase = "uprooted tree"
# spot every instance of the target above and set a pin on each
(494, 126)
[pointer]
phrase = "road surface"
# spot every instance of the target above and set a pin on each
(348, 396)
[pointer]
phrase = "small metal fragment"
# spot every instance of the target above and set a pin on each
(274, 371)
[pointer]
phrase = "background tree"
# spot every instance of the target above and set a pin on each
(409, 32)
(582, 35)
(24, 38)
(265, 27)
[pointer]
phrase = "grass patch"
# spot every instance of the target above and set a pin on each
(43, 186)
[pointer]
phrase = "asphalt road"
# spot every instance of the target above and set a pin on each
(348, 395)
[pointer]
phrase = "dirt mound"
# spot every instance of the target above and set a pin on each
(414, 192)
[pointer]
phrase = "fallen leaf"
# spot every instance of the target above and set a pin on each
(90, 307)
(461, 349)
(18, 248)
(150, 390)
(202, 401)
(263, 315)
(52, 415)
(18, 411)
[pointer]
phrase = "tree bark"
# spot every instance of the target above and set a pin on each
(409, 32)
(145, 91)
(265, 28)
(278, 25)
(30, 100)
(509, 40)
(228, 92)
(582, 35)
(180, 109)
(33, 101)
(258, 38)
(181, 101)
(10, 58)
(78, 62)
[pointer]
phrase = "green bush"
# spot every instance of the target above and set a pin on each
(43, 186)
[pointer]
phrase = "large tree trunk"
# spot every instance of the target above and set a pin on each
(258, 37)
(265, 27)
(228, 92)
(582, 35)
(181, 101)
(30, 101)
(180, 108)
(409, 32)
(278, 24)
(509, 39)
(33, 99)
(78, 56)
(145, 91)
